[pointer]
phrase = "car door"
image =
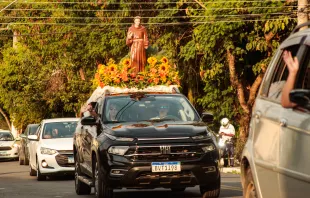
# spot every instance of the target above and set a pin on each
(294, 139)
(33, 145)
(23, 142)
(265, 126)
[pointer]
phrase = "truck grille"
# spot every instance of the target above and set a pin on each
(153, 153)
(5, 148)
(62, 160)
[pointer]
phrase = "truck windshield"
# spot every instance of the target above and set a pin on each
(148, 108)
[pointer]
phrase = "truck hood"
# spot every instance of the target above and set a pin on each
(58, 143)
(157, 130)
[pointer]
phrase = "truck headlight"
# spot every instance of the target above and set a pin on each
(208, 148)
(48, 151)
(118, 150)
(122, 139)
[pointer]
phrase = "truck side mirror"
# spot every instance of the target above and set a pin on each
(207, 117)
(89, 120)
(301, 97)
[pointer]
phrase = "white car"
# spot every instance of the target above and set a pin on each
(51, 148)
(8, 145)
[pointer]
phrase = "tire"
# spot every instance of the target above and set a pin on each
(101, 188)
(80, 187)
(249, 190)
(178, 189)
(40, 177)
(32, 171)
(211, 191)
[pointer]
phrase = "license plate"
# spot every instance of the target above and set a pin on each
(166, 167)
(70, 160)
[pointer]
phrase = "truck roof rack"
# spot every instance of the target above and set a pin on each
(300, 26)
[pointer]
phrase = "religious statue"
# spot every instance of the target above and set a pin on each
(138, 42)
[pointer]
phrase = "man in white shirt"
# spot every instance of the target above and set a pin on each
(227, 132)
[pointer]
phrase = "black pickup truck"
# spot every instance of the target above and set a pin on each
(145, 141)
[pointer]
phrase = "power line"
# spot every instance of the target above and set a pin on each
(7, 6)
(172, 17)
(163, 24)
(149, 3)
(149, 10)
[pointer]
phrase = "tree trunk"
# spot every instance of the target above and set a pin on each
(6, 118)
(302, 13)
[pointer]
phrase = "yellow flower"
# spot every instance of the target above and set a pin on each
(113, 68)
(164, 60)
(164, 68)
(126, 62)
(152, 60)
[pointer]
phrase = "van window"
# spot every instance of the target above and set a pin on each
(303, 78)
(279, 76)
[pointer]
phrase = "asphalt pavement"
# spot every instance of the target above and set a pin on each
(15, 182)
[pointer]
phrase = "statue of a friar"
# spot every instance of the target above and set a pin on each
(138, 42)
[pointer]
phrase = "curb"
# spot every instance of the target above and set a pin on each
(230, 170)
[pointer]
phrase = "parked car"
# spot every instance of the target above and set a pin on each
(50, 149)
(24, 150)
(275, 160)
(144, 141)
(8, 145)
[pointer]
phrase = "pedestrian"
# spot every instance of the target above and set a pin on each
(227, 132)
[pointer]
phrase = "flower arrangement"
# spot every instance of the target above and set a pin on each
(157, 72)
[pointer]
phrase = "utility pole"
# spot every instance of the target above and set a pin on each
(302, 13)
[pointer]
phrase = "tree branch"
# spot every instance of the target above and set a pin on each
(201, 4)
(6, 118)
(235, 82)
(254, 89)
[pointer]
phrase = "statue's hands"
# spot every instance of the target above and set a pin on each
(130, 35)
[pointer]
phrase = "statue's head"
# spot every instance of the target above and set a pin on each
(137, 20)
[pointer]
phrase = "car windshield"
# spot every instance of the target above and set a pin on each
(6, 136)
(56, 130)
(148, 108)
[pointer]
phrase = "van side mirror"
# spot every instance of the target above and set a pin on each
(301, 97)
(33, 137)
(207, 117)
(90, 120)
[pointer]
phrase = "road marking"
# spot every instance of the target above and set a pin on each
(231, 188)
(2, 188)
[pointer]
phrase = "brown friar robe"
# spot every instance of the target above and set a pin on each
(137, 43)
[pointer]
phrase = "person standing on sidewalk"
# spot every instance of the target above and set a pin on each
(227, 132)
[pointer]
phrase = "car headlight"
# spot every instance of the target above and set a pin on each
(201, 137)
(122, 139)
(48, 151)
(208, 148)
(15, 145)
(118, 150)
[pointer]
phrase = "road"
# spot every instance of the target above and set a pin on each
(15, 182)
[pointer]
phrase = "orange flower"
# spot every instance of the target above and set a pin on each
(97, 76)
(117, 81)
(164, 60)
(133, 75)
(99, 66)
(202, 73)
(156, 80)
(101, 84)
(169, 82)
(153, 70)
(141, 78)
(124, 76)
(137, 80)
(150, 80)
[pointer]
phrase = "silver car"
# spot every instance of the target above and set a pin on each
(275, 160)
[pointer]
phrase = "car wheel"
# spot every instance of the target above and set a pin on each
(32, 171)
(101, 188)
(178, 189)
(249, 190)
(80, 187)
(212, 191)
(40, 177)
